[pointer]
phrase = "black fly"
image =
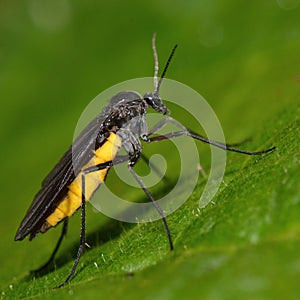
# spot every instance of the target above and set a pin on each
(84, 166)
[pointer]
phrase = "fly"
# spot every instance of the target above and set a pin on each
(84, 166)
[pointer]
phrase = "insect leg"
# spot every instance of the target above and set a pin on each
(82, 234)
(139, 181)
(51, 259)
(108, 164)
(190, 133)
(161, 124)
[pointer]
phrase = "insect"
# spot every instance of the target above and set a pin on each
(83, 168)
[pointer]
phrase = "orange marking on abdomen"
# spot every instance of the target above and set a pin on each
(72, 200)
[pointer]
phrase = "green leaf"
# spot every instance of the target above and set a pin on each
(244, 58)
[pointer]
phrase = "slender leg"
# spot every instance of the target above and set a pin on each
(203, 139)
(161, 124)
(51, 259)
(82, 234)
(108, 164)
(154, 203)
(188, 132)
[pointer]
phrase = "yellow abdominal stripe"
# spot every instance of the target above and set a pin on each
(72, 200)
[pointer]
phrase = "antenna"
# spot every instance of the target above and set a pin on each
(155, 61)
(157, 83)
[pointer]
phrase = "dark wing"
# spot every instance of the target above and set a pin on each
(55, 185)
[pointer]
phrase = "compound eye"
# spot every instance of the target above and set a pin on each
(149, 99)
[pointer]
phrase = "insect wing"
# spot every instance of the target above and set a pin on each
(55, 185)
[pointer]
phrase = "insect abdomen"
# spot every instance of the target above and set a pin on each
(72, 200)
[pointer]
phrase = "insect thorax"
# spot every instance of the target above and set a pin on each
(127, 120)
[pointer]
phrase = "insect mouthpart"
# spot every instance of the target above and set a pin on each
(156, 103)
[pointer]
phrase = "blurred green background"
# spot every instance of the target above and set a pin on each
(243, 57)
